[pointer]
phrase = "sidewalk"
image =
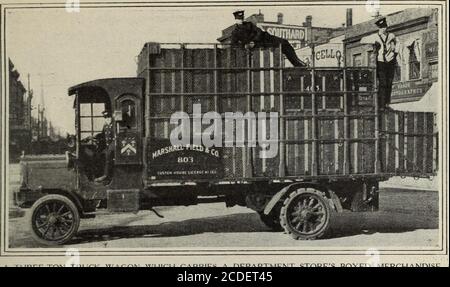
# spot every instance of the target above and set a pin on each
(411, 183)
(14, 181)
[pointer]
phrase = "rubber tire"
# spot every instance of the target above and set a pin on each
(69, 203)
(290, 230)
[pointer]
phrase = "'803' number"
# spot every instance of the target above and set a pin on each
(185, 159)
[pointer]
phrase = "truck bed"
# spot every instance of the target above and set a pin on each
(334, 130)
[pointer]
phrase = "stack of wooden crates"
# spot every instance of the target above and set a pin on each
(327, 117)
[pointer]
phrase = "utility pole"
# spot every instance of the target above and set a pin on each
(313, 49)
(38, 122)
(30, 121)
(41, 108)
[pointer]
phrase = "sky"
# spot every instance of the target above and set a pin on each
(60, 49)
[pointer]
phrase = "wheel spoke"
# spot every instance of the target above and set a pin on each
(304, 202)
(67, 223)
(66, 213)
(309, 226)
(42, 217)
(295, 213)
(60, 209)
(60, 230)
(39, 226)
(304, 227)
(314, 226)
(66, 219)
(46, 230)
(53, 231)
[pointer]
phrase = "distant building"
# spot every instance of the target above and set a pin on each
(298, 35)
(330, 54)
(417, 70)
(19, 115)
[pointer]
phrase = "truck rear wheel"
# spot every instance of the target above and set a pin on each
(305, 214)
(54, 219)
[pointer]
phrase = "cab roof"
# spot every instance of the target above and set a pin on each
(112, 86)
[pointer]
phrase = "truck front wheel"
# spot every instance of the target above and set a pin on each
(54, 219)
(305, 214)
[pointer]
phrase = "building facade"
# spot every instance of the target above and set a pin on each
(330, 54)
(19, 115)
(417, 62)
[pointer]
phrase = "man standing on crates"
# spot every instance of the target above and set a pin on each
(386, 50)
(246, 34)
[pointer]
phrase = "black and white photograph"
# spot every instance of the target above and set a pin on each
(224, 133)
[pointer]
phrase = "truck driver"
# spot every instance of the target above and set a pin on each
(246, 34)
(108, 151)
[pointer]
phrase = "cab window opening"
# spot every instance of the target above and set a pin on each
(91, 119)
(129, 113)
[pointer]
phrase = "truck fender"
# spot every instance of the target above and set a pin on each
(71, 195)
(277, 197)
(283, 192)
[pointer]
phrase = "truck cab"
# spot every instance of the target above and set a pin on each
(68, 182)
(122, 99)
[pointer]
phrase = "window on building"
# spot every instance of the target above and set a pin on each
(433, 70)
(370, 59)
(357, 60)
(397, 72)
(414, 61)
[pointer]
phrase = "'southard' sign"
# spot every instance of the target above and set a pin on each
(290, 33)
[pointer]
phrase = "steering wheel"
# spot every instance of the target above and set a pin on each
(90, 140)
(89, 146)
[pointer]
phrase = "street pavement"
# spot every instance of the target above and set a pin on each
(407, 218)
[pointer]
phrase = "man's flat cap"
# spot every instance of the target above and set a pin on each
(381, 23)
(239, 15)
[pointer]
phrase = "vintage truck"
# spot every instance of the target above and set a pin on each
(333, 143)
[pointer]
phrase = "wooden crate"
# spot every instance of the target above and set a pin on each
(327, 117)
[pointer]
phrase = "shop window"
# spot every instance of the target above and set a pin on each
(370, 58)
(397, 72)
(433, 70)
(414, 61)
(357, 60)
